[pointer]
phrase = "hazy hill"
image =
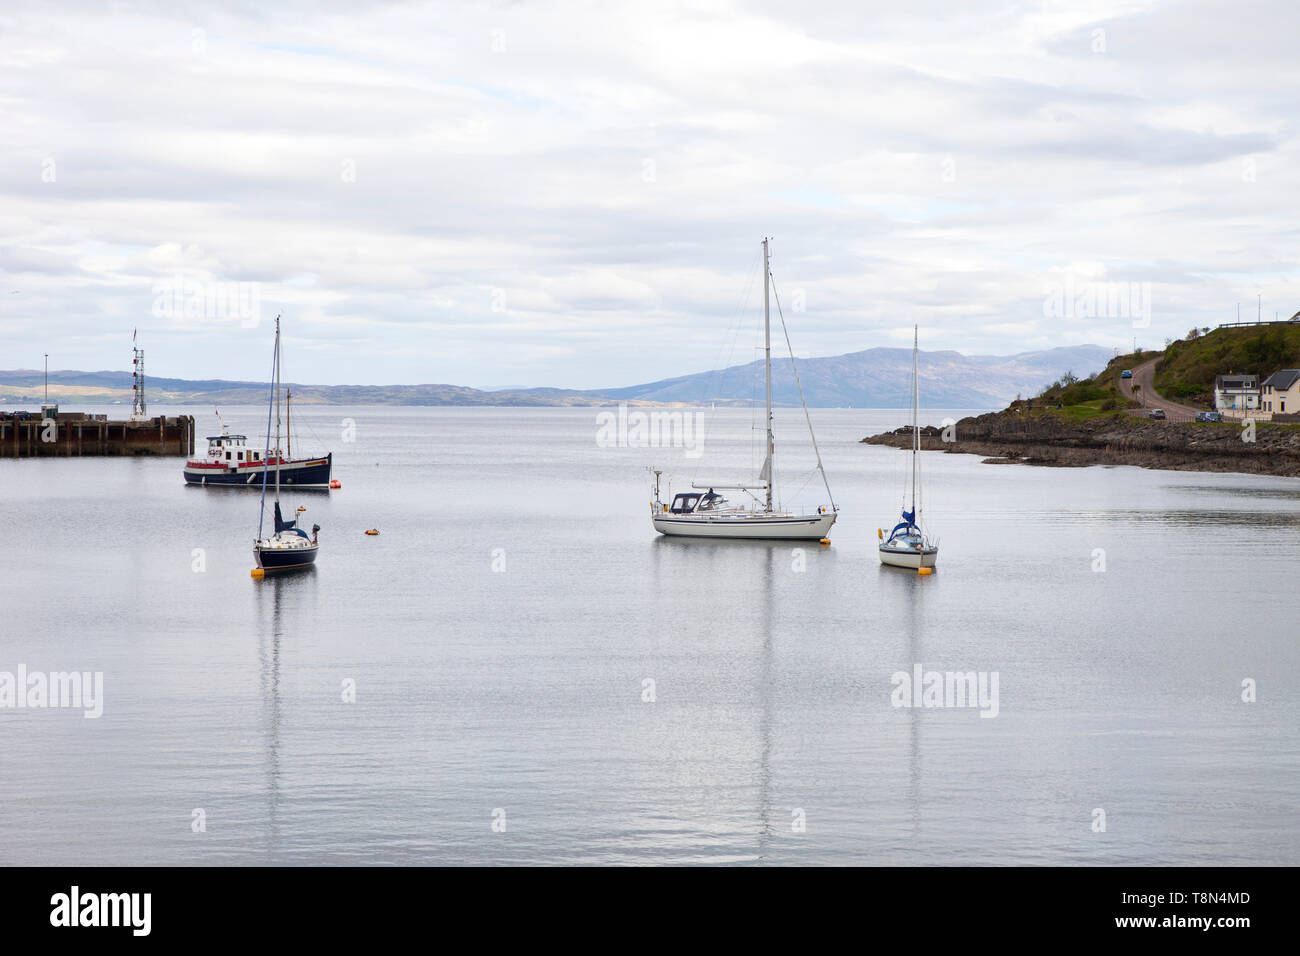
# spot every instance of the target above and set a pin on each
(880, 378)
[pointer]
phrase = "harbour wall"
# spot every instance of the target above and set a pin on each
(74, 435)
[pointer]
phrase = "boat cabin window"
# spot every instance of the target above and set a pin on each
(685, 503)
(711, 501)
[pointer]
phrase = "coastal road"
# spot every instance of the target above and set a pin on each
(1144, 375)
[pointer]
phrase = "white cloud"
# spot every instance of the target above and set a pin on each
(568, 192)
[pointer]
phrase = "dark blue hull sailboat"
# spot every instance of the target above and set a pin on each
(289, 547)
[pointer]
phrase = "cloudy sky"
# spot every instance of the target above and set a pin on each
(573, 193)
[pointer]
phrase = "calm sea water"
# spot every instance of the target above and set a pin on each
(501, 631)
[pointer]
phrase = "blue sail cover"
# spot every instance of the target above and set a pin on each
(280, 523)
(907, 524)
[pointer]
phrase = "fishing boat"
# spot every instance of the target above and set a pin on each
(907, 545)
(704, 512)
(288, 547)
(230, 462)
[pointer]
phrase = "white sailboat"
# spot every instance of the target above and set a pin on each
(704, 513)
(907, 545)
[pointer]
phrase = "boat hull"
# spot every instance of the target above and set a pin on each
(909, 557)
(284, 559)
(304, 473)
(781, 527)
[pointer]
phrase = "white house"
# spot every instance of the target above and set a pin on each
(1236, 392)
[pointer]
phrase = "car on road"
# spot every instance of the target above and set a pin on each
(1127, 373)
(1209, 416)
(1156, 413)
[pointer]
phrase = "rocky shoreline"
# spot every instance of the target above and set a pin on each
(1010, 438)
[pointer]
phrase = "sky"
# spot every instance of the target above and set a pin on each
(573, 194)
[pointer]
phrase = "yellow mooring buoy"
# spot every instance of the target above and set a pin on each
(825, 541)
(257, 573)
(925, 570)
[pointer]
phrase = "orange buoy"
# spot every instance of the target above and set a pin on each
(335, 483)
(372, 531)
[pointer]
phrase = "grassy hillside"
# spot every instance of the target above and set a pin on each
(1187, 371)
(1077, 399)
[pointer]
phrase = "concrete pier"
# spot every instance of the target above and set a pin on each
(74, 434)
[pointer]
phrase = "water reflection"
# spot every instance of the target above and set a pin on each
(1209, 519)
(908, 588)
(670, 563)
(1169, 517)
(765, 708)
(916, 652)
(670, 545)
(274, 593)
(1241, 491)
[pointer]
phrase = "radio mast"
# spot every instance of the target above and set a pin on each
(138, 412)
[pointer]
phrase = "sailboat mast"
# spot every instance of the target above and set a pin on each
(266, 457)
(278, 455)
(767, 362)
(916, 435)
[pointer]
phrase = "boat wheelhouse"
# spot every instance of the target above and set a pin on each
(229, 448)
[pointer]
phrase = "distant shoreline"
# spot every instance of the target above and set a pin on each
(1010, 438)
(876, 377)
(79, 403)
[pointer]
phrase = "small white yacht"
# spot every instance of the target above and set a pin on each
(907, 545)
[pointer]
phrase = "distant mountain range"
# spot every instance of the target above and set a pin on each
(874, 378)
(881, 378)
